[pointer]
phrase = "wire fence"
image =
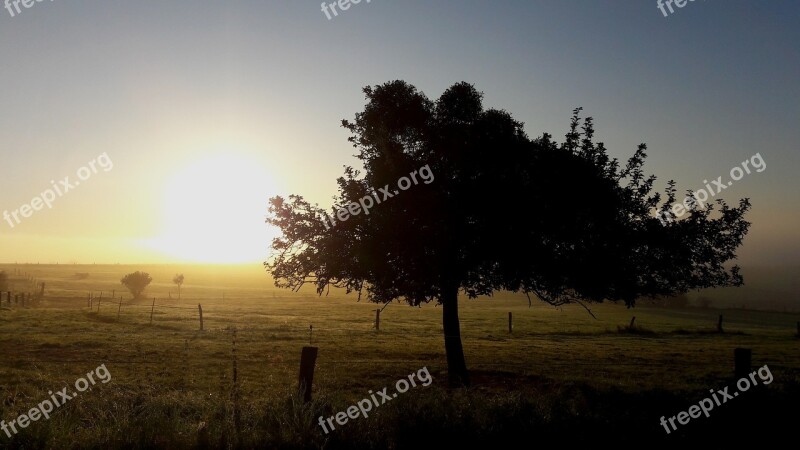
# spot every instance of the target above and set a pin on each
(98, 307)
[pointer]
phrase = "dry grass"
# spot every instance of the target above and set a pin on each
(171, 384)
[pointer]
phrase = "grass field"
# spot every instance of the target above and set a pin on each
(560, 374)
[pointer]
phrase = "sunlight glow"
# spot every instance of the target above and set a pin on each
(214, 211)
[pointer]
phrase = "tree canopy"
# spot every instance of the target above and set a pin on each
(563, 222)
(136, 282)
(178, 279)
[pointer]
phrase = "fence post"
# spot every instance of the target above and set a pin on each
(308, 359)
(510, 323)
(633, 319)
(98, 304)
(237, 412)
(719, 324)
(310, 334)
(152, 309)
(200, 308)
(120, 308)
(742, 359)
(378, 319)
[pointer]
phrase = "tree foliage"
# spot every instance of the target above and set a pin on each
(563, 222)
(136, 282)
(179, 281)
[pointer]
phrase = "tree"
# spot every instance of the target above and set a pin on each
(3, 281)
(563, 222)
(179, 281)
(136, 282)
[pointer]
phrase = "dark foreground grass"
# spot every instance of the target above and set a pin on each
(541, 411)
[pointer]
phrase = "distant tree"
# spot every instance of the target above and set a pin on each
(3, 281)
(136, 282)
(179, 281)
(563, 222)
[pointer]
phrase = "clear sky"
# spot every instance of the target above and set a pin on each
(208, 108)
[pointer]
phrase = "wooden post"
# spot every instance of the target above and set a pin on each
(237, 412)
(633, 319)
(98, 304)
(378, 319)
(510, 323)
(308, 359)
(120, 307)
(310, 334)
(152, 309)
(742, 359)
(200, 308)
(719, 324)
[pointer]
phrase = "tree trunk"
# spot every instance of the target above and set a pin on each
(456, 364)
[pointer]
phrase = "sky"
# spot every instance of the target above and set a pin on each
(194, 113)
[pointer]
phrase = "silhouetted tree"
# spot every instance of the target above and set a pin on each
(179, 281)
(136, 282)
(561, 221)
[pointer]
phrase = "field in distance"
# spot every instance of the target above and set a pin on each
(173, 385)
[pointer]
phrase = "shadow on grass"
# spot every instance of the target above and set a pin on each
(535, 410)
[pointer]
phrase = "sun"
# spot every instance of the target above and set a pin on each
(214, 211)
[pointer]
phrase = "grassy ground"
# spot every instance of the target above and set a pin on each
(561, 374)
